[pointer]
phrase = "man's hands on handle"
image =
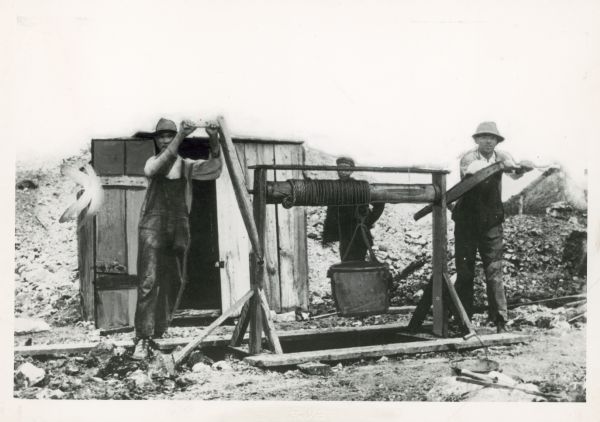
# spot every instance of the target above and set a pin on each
(187, 127)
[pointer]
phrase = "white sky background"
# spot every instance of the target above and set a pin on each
(390, 83)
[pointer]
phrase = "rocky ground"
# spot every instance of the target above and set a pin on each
(47, 289)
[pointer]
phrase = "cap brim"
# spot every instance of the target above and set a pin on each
(500, 138)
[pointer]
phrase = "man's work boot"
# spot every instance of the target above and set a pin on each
(141, 349)
(501, 326)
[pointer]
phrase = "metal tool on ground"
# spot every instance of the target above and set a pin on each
(483, 383)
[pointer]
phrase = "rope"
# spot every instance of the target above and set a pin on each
(327, 192)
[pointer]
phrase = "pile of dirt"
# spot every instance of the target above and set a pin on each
(552, 186)
(46, 268)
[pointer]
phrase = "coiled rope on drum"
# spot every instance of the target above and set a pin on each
(327, 192)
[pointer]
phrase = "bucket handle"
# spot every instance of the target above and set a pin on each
(363, 228)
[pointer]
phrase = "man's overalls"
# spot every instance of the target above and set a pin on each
(164, 236)
(478, 218)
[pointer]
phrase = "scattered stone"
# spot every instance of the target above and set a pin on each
(27, 326)
(140, 379)
(382, 359)
(201, 367)
(315, 368)
(450, 389)
(286, 317)
(222, 366)
(30, 374)
(119, 350)
(197, 356)
(46, 394)
(72, 369)
(26, 184)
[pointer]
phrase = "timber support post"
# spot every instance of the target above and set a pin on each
(439, 242)
(258, 273)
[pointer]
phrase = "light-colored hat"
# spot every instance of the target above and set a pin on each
(488, 128)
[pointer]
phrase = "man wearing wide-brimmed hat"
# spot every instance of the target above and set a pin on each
(478, 218)
(164, 232)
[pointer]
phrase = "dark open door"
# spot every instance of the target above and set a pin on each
(203, 290)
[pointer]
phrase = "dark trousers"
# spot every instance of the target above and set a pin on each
(468, 240)
(161, 251)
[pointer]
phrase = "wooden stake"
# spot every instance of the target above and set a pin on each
(239, 186)
(268, 323)
(459, 309)
(439, 241)
(240, 329)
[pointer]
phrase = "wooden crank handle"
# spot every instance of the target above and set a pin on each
(462, 187)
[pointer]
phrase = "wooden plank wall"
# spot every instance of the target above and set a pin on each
(291, 225)
(85, 256)
(234, 245)
(111, 244)
(133, 204)
(264, 153)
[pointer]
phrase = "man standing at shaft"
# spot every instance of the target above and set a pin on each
(164, 231)
(341, 222)
(478, 218)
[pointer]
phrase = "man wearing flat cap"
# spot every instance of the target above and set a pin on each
(478, 218)
(164, 231)
(341, 221)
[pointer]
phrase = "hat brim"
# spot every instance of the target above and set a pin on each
(500, 138)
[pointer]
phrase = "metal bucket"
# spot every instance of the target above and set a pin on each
(360, 288)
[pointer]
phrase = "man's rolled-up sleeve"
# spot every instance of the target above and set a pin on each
(160, 164)
(206, 169)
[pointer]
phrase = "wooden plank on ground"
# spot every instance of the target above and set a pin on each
(263, 154)
(332, 355)
(291, 231)
(111, 248)
(133, 205)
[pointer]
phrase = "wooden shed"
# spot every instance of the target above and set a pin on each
(218, 262)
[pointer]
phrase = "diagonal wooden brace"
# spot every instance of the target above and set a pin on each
(242, 326)
(268, 323)
(180, 356)
(459, 309)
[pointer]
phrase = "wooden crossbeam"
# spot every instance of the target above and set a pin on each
(420, 170)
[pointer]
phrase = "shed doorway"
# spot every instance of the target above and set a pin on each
(203, 290)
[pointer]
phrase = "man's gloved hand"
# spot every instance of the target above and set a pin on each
(212, 128)
(526, 165)
(187, 127)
